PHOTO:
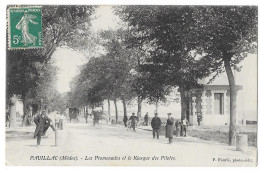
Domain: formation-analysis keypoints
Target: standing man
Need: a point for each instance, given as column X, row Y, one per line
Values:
column 169, row 127
column 133, row 119
column 199, row 119
column 146, row 117
column 156, row 125
column 42, row 124
column 125, row 119
column 95, row 117
column 184, row 126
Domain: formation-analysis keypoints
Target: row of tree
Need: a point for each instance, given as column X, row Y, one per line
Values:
column 31, row 75
column 164, row 47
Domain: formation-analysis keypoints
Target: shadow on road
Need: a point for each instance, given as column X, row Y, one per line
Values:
column 18, row 135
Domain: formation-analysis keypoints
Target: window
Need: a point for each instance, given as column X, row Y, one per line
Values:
column 219, row 103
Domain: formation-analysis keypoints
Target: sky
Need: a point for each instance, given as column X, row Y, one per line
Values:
column 68, row 60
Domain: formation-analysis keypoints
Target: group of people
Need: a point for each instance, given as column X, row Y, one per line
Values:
column 133, row 121
column 181, row 127
column 43, row 122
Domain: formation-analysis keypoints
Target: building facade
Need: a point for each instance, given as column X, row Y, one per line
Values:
column 210, row 105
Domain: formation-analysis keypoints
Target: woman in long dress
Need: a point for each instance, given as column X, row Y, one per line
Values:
column 169, row 128
column 23, row 25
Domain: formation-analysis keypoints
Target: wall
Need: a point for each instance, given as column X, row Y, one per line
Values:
column 203, row 101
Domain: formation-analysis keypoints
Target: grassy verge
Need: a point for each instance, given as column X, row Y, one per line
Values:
column 220, row 136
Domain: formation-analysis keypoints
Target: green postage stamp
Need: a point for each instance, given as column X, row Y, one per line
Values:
column 25, row 27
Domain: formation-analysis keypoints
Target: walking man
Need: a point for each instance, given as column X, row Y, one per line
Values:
column 156, row 125
column 42, row 124
column 169, row 127
column 133, row 119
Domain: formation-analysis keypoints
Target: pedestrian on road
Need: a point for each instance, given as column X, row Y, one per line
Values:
column 156, row 125
column 199, row 118
column 133, row 120
column 96, row 116
column 169, row 127
column 184, row 126
column 125, row 119
column 42, row 124
column 146, row 118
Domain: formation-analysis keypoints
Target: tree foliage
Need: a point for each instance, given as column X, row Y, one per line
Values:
column 192, row 42
column 107, row 76
column 30, row 76
column 60, row 25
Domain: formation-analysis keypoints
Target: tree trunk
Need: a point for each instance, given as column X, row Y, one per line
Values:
column 233, row 94
column 139, row 106
column 156, row 106
column 86, row 110
column 13, row 112
column 108, row 109
column 116, row 111
column 41, row 106
column 102, row 106
column 86, row 113
column 184, row 105
column 25, row 112
column 124, row 105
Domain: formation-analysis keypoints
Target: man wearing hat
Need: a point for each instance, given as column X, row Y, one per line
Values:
column 42, row 124
column 133, row 119
column 146, row 118
column 169, row 127
column 156, row 125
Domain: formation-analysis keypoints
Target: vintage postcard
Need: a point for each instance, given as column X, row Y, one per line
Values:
column 131, row 85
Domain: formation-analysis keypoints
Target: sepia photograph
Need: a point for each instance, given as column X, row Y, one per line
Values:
column 131, row 85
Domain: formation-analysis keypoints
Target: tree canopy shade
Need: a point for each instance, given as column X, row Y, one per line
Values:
column 107, row 76
column 168, row 31
column 222, row 36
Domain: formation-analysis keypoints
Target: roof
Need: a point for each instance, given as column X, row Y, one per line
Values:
column 218, row 87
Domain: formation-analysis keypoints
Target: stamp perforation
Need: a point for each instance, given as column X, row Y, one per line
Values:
column 8, row 25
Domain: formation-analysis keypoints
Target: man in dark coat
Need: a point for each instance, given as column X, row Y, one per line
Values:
column 42, row 124
column 133, row 119
column 169, row 128
column 125, row 119
column 156, row 125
